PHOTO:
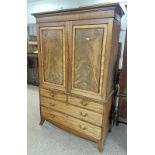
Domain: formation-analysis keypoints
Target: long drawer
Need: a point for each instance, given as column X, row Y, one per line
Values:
column 83, row 103
column 73, row 123
column 53, row 95
column 83, row 114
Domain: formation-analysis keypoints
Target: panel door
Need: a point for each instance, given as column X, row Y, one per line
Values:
column 53, row 54
column 88, row 51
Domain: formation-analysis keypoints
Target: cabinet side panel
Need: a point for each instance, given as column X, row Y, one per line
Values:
column 106, row 117
column 113, row 57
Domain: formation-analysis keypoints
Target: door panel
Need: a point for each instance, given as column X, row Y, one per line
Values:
column 53, row 54
column 88, row 52
column 88, row 59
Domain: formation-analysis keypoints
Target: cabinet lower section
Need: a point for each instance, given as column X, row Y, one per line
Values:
column 71, row 122
column 82, row 117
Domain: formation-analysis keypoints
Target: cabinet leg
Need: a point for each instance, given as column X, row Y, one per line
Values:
column 100, row 145
column 42, row 120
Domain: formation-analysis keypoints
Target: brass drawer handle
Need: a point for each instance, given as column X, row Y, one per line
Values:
column 82, row 114
column 83, row 127
column 52, row 116
column 84, row 103
column 52, row 94
column 66, row 115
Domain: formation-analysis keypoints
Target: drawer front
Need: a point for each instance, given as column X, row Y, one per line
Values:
column 94, row 106
column 83, row 114
column 54, row 95
column 73, row 123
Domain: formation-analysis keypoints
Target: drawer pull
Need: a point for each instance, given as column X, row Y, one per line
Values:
column 84, row 103
column 52, row 94
column 82, row 127
column 82, row 114
column 66, row 115
column 52, row 116
column 52, row 104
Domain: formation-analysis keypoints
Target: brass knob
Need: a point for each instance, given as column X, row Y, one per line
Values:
column 84, row 103
column 52, row 116
column 82, row 114
column 52, row 94
column 82, row 127
column 66, row 115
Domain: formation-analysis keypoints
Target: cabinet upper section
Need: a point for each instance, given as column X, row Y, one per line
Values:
column 78, row 50
column 112, row 10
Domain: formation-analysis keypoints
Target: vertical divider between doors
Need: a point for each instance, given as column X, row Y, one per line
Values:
column 67, row 55
column 69, row 29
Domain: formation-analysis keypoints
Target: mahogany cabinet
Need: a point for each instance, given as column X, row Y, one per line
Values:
column 77, row 60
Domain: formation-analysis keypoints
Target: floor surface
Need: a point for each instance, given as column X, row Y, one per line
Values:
column 50, row 140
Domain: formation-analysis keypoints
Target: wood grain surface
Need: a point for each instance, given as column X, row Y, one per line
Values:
column 73, row 123
column 86, row 104
column 52, row 56
column 81, row 13
column 80, row 113
column 113, row 57
column 88, row 58
column 88, row 51
column 52, row 46
column 53, row 95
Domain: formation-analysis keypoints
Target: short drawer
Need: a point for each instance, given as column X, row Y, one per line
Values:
column 70, row 122
column 83, row 114
column 54, row 95
column 94, row 106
